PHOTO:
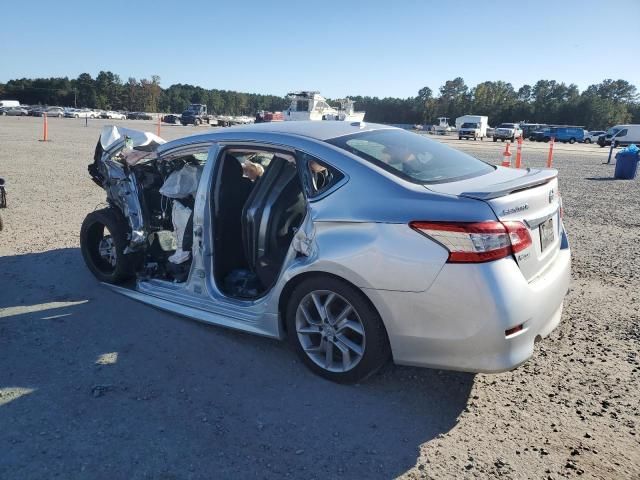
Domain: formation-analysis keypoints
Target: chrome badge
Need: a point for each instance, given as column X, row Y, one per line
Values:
column 519, row 208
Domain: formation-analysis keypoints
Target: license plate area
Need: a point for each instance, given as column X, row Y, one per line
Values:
column 546, row 234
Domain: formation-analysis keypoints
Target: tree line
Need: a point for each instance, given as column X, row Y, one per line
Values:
column 547, row 101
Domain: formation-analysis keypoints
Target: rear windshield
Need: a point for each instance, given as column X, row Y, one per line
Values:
column 412, row 156
column 506, row 125
column 469, row 125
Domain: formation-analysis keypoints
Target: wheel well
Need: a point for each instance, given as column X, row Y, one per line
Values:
column 298, row 279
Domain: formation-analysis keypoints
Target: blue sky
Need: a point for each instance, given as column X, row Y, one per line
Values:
column 377, row 48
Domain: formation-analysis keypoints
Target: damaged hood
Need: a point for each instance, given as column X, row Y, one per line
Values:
column 145, row 141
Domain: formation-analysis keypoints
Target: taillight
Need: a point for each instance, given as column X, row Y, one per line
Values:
column 477, row 241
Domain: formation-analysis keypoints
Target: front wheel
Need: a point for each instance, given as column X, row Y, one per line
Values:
column 587, row 140
column 103, row 239
column 335, row 331
column 495, row 139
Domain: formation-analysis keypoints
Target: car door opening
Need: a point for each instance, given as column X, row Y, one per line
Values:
column 258, row 205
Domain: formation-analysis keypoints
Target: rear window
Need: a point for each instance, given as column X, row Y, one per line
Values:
column 506, row 125
column 412, row 156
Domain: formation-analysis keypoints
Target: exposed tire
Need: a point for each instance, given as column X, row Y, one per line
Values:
column 587, row 140
column 76, row 116
column 572, row 140
column 103, row 239
column 495, row 139
column 328, row 312
column 459, row 138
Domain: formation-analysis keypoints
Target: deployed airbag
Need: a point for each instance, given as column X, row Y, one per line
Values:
column 182, row 183
column 180, row 216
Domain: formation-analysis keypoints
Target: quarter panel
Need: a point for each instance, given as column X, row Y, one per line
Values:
column 377, row 255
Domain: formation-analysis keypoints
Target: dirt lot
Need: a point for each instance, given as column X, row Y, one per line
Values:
column 94, row 385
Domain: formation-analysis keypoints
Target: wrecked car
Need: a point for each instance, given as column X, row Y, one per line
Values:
column 358, row 243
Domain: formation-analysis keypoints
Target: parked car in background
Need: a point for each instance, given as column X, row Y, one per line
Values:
column 171, row 118
column 16, row 112
column 111, row 115
column 350, row 288
column 592, row 136
column 490, row 132
column 139, row 116
column 51, row 112
column 34, row 110
column 621, row 135
column 507, row 131
column 80, row 113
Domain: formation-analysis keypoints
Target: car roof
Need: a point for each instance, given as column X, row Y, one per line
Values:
column 319, row 130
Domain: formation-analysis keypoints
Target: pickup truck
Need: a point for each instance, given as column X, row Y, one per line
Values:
column 507, row 131
column 196, row 115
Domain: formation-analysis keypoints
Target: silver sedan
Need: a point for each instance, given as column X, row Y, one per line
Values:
column 358, row 243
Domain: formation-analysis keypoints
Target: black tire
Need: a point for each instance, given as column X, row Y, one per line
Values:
column 376, row 347
column 459, row 138
column 572, row 140
column 587, row 140
column 98, row 226
column 495, row 139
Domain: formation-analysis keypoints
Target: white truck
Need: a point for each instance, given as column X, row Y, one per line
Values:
column 472, row 126
column 507, row 131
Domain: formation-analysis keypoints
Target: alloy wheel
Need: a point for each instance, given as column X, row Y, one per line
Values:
column 107, row 249
column 330, row 331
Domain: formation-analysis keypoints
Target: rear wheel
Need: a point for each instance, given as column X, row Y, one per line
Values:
column 103, row 239
column 572, row 140
column 495, row 139
column 335, row 330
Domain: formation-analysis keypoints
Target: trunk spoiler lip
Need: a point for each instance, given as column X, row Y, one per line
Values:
column 532, row 178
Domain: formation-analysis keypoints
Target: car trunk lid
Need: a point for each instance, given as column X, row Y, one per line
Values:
column 529, row 196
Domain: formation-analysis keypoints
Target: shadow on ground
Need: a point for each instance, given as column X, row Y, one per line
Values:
column 601, row 179
column 95, row 385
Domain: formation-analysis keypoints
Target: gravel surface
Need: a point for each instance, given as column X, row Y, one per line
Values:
column 95, row 385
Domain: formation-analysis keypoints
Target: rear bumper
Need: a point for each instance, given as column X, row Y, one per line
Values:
column 460, row 322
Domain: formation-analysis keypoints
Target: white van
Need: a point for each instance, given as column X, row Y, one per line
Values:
column 9, row 103
column 622, row 135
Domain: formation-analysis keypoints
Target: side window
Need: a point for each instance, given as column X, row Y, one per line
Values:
column 623, row 133
column 318, row 176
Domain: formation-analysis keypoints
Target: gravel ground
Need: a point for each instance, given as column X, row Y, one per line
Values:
column 94, row 385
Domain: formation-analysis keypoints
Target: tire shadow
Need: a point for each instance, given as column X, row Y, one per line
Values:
column 179, row 399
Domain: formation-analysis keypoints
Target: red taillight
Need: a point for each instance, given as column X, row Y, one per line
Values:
column 478, row 241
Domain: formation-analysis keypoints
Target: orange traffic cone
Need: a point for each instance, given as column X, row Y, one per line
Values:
column 506, row 156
